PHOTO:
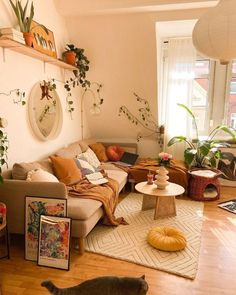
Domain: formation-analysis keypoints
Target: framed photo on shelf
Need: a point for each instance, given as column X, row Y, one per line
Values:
column 43, row 42
column 54, row 242
column 34, row 208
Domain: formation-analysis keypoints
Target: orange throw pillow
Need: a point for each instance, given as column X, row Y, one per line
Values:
column 115, row 153
column 66, row 170
column 100, row 151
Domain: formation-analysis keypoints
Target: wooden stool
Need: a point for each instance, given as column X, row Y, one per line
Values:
column 204, row 185
column 3, row 226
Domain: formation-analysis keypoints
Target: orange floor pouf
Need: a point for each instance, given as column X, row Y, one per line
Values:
column 166, row 239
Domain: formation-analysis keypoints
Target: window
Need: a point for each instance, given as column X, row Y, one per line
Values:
column 214, row 93
column 231, row 104
column 201, row 88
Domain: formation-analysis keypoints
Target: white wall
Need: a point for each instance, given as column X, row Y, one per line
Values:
column 19, row 71
column 122, row 50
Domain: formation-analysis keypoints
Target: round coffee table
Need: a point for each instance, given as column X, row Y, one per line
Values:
column 163, row 200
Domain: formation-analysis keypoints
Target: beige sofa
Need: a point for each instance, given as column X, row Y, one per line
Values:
column 85, row 213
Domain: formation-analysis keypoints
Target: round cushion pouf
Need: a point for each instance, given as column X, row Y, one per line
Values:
column 166, row 239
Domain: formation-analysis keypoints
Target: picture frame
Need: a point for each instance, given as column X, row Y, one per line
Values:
column 34, row 207
column 43, row 42
column 54, row 242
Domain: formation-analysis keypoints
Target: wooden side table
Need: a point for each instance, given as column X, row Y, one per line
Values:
column 163, row 200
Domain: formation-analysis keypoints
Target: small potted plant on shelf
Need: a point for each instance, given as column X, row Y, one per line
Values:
column 24, row 21
column 81, row 62
column 203, row 153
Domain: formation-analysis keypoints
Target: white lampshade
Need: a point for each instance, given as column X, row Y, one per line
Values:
column 214, row 34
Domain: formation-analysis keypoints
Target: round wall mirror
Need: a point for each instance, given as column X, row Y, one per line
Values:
column 45, row 111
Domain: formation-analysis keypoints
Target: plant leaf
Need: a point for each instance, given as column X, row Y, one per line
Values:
column 204, row 147
column 228, row 130
column 176, row 139
column 187, row 109
column 189, row 155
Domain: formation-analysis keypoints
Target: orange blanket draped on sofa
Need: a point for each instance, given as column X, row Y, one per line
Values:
column 177, row 171
column 106, row 193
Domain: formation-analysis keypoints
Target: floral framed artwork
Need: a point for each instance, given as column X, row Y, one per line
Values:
column 34, row 208
column 43, row 42
column 54, row 242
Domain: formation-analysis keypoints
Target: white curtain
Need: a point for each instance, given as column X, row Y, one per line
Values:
column 178, row 87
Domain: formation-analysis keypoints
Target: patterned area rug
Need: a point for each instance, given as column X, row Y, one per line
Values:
column 128, row 242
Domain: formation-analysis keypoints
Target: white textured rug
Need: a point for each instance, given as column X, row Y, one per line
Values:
column 128, row 242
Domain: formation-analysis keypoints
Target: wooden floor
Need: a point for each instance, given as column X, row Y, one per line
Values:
column 216, row 272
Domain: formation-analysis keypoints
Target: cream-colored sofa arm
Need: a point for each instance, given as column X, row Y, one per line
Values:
column 13, row 192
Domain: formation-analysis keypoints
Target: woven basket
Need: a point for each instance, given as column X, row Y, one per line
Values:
column 200, row 186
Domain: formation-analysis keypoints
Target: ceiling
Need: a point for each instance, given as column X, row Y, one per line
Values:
column 86, row 7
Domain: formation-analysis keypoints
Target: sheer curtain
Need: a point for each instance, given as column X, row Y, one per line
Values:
column 178, row 85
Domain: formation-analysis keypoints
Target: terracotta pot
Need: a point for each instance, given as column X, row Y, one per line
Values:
column 70, row 57
column 29, row 37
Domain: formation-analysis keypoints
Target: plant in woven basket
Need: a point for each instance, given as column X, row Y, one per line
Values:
column 203, row 153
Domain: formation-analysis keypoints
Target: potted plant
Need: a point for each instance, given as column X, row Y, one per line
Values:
column 81, row 62
column 203, row 153
column 3, row 147
column 24, row 21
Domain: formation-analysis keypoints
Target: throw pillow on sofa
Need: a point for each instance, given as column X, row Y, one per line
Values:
column 114, row 153
column 84, row 166
column 41, row 175
column 66, row 170
column 91, row 158
column 100, row 151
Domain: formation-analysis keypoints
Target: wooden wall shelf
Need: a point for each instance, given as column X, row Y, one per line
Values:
column 26, row 50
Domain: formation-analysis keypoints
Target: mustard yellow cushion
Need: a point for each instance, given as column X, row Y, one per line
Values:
column 100, row 151
column 166, row 239
column 66, row 170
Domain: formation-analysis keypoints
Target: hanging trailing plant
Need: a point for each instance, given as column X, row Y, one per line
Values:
column 19, row 96
column 3, row 151
column 145, row 119
column 82, row 64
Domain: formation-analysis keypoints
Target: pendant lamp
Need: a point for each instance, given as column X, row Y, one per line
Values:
column 214, row 35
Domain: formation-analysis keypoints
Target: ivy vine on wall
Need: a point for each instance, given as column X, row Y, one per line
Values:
column 144, row 118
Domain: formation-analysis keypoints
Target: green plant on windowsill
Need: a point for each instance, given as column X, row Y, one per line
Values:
column 203, row 153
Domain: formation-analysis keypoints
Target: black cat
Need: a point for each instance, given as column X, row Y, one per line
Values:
column 108, row 285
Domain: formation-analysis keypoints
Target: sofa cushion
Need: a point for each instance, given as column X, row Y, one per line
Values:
column 20, row 170
column 71, row 151
column 114, row 152
column 84, row 144
column 119, row 175
column 66, row 170
column 82, row 209
column 91, row 158
column 84, row 166
column 41, row 175
column 100, row 151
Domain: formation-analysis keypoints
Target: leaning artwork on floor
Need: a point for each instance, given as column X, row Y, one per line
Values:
column 34, row 207
column 54, row 242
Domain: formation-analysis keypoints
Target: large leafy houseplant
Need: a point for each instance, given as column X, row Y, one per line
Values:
column 206, row 152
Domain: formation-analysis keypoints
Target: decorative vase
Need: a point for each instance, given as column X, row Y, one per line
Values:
column 29, row 37
column 162, row 177
column 70, row 57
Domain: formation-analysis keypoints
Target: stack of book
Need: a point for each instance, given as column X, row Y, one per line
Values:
column 12, row 34
column 96, row 178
